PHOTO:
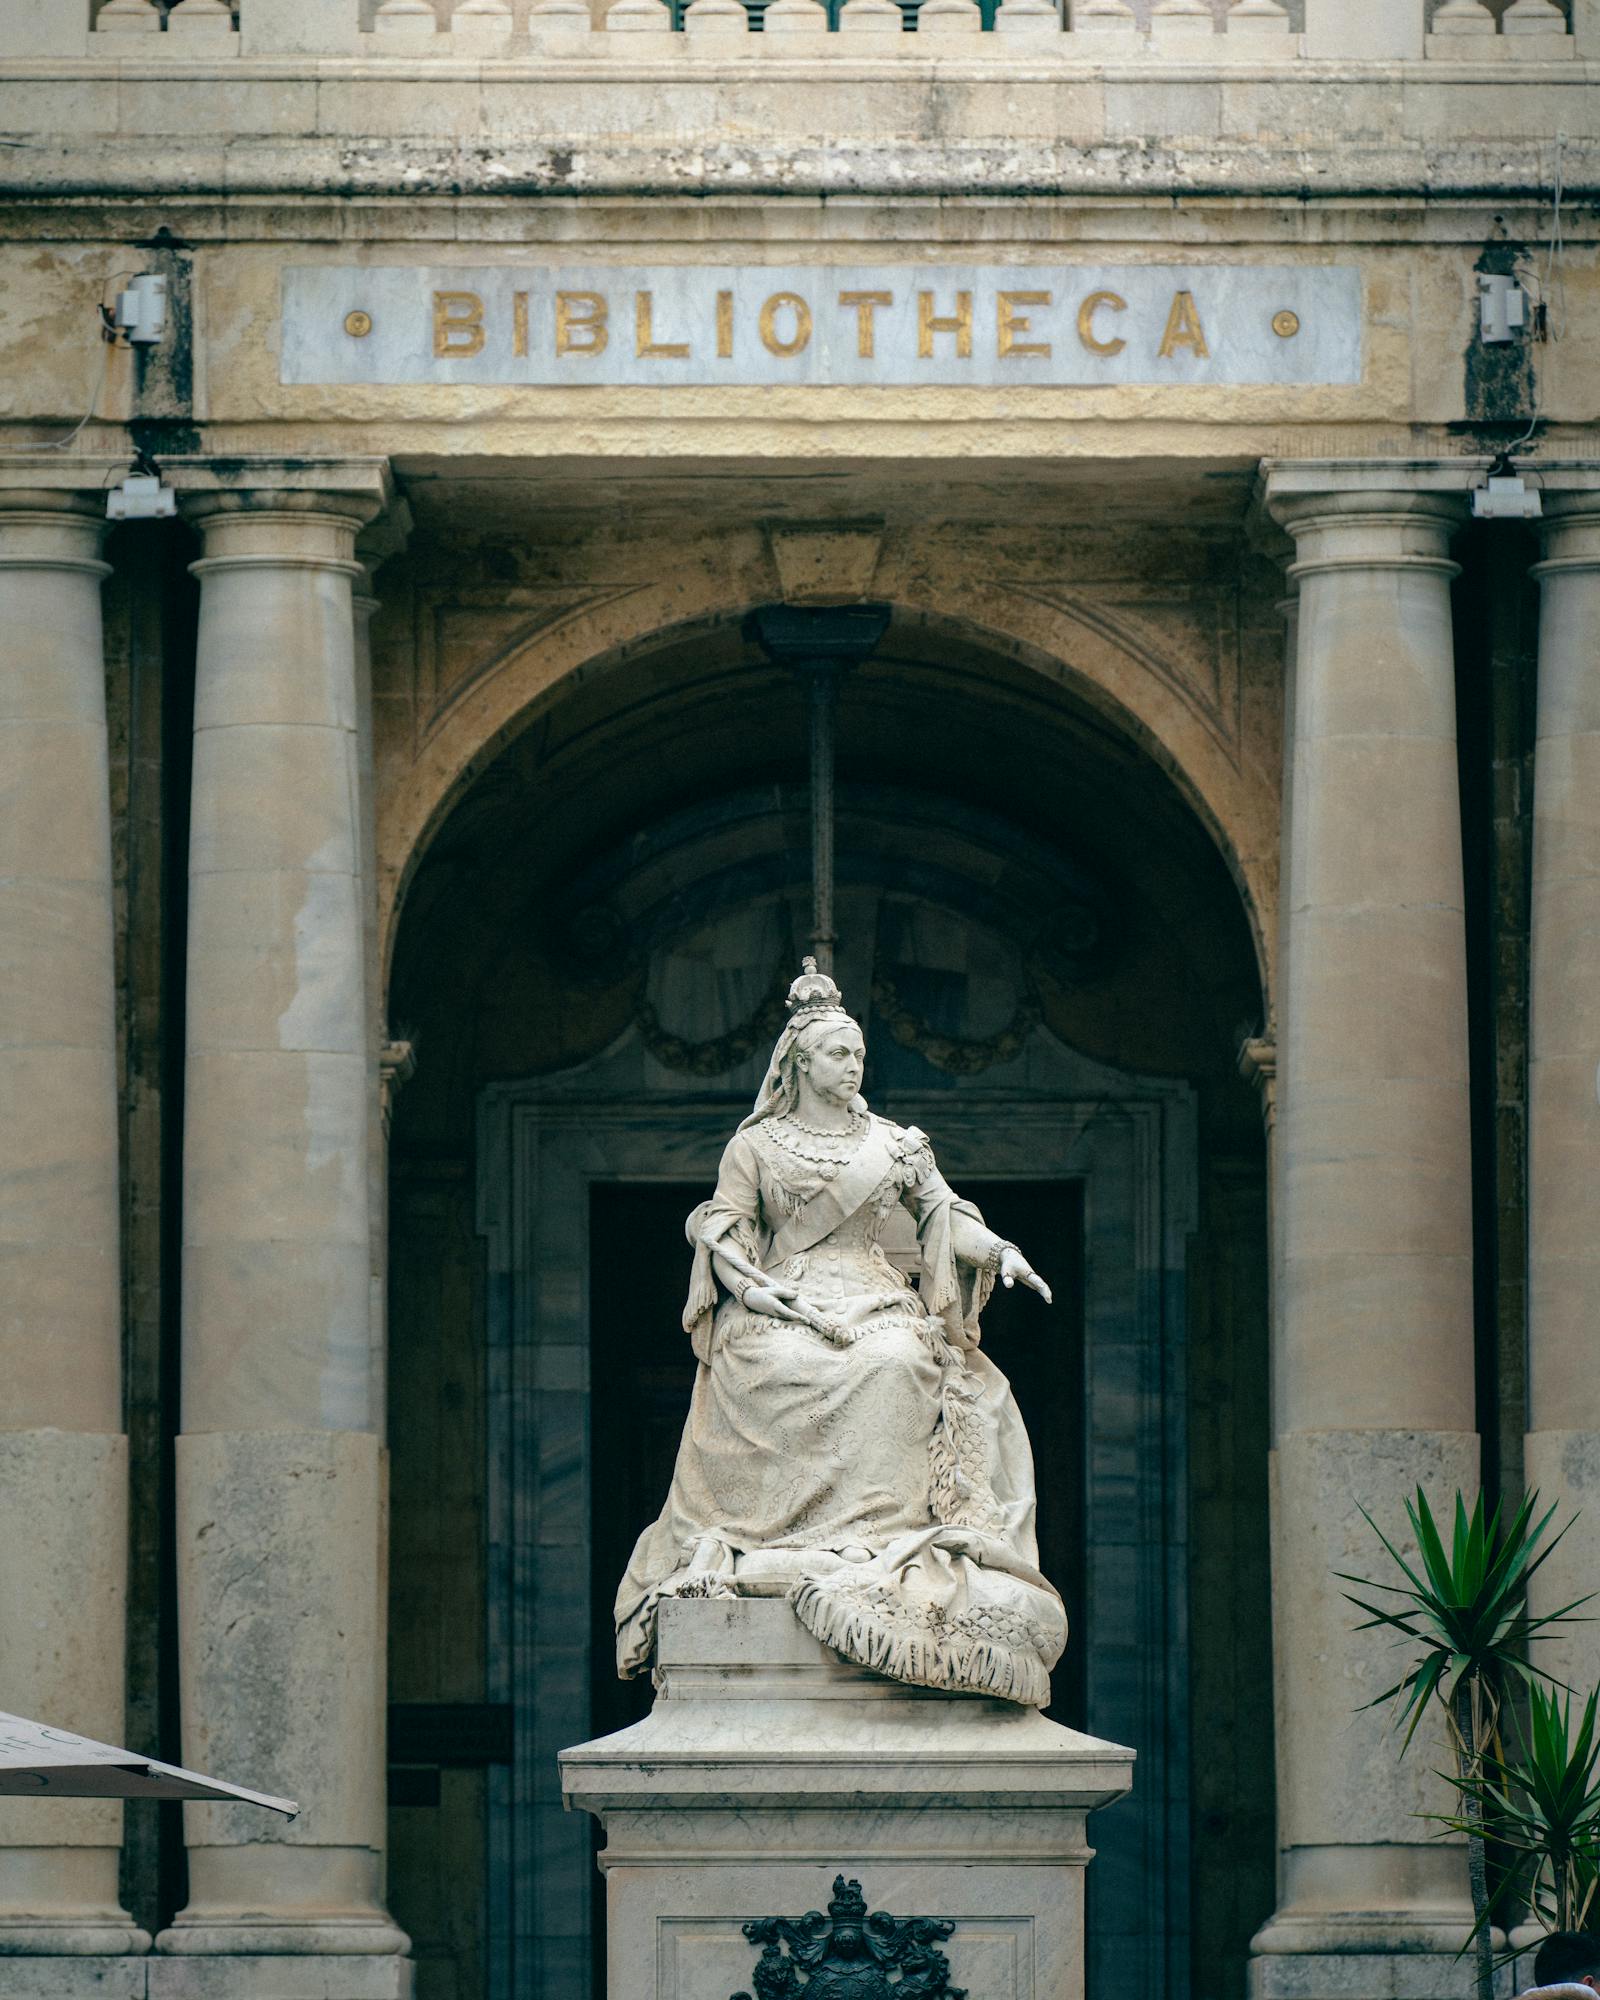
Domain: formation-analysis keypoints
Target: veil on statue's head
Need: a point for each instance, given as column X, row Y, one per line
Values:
column 814, row 1002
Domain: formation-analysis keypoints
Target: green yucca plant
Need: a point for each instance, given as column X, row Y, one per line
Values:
column 1543, row 1804
column 1465, row 1612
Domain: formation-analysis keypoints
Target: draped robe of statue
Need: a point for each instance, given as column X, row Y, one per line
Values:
column 889, row 1448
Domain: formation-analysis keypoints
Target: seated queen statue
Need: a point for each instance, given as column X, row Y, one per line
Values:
column 842, row 1413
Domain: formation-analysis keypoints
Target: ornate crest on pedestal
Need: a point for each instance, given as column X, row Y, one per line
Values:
column 848, row 1955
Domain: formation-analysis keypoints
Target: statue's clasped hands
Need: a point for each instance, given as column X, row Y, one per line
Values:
column 783, row 1301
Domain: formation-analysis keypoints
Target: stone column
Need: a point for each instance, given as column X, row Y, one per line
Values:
column 63, row 1455
column 1562, row 1449
column 1373, row 1368
column 281, row 1477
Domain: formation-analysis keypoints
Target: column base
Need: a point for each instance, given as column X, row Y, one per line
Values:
column 1563, row 1468
column 328, row 1937
column 77, row 1937
column 78, row 1978
column 267, row 1976
column 281, row 1976
column 1397, row 1973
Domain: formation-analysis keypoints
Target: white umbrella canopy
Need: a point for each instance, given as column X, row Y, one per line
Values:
column 37, row 1761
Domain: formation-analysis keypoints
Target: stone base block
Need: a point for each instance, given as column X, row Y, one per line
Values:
column 322, row 1976
column 73, row 1978
column 1359, row 1975
column 772, row 1776
column 308, row 1976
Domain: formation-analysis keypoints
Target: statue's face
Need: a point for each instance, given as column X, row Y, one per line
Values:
column 834, row 1062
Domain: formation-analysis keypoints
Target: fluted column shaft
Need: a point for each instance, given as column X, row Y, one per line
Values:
column 63, row 1455
column 1373, row 1369
column 1562, row 1448
column 280, row 1506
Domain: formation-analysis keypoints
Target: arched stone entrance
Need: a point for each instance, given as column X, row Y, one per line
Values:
column 1054, row 970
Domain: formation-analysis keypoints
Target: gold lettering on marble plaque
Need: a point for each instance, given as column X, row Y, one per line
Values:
column 519, row 325
column 644, row 340
column 959, row 323
column 1009, row 323
column 457, row 324
column 1111, row 302
column 1183, row 329
column 768, row 323
column 866, row 305
column 581, row 323
column 724, row 326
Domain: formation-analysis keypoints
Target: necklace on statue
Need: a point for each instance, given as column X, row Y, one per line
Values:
column 816, row 1144
column 856, row 1126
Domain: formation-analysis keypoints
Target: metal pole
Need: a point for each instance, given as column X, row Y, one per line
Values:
column 823, row 681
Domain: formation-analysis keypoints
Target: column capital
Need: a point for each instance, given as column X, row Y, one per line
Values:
column 72, row 481
column 1569, row 527
column 1369, row 514
column 46, row 527
column 1305, row 495
column 353, row 489
column 1285, row 478
column 281, row 513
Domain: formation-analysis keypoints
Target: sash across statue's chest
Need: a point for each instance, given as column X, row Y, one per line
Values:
column 836, row 1200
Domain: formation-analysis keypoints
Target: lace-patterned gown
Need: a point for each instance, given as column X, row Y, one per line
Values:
column 897, row 1445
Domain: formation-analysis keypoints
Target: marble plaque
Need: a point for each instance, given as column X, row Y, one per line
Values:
column 991, row 326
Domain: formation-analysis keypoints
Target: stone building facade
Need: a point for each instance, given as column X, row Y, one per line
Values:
column 404, row 839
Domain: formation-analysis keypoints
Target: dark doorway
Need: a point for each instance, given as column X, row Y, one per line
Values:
column 638, row 1272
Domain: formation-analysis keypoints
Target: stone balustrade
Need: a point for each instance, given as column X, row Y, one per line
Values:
column 1204, row 32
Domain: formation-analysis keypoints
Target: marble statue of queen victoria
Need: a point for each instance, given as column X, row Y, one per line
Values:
column 839, row 1412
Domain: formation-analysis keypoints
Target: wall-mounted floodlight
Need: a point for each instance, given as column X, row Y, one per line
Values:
column 1502, row 307
column 1506, row 500
column 142, row 309
column 141, row 497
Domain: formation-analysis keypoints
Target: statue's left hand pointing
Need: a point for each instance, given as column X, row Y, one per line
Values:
column 1013, row 1265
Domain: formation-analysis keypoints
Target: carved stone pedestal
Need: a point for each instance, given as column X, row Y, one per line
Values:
column 772, row 1776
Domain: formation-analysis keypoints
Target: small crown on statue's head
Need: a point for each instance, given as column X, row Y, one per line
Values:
column 813, row 992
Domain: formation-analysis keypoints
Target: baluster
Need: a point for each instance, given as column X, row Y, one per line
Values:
column 872, row 17
column 1257, row 17
column 1103, row 17
column 406, row 17
column 1533, row 17
column 207, row 17
column 949, row 17
column 128, row 17
column 1463, row 17
column 559, row 21
column 1536, row 31
column 638, row 17
column 795, row 17
column 481, row 24
column 1027, row 17
column 718, row 20
column 1183, row 24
